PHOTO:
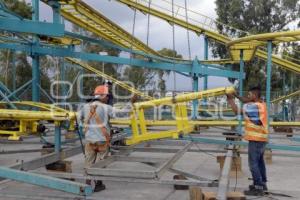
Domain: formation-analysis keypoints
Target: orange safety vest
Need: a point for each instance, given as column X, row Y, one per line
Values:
column 97, row 146
column 255, row 132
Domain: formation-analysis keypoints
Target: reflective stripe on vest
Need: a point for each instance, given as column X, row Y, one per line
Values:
column 255, row 132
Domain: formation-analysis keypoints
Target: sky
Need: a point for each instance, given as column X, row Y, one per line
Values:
column 160, row 32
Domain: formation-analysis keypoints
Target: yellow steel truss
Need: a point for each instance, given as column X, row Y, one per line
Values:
column 139, row 123
column 250, row 43
column 198, row 122
column 27, row 121
column 141, row 5
column 293, row 94
column 83, row 15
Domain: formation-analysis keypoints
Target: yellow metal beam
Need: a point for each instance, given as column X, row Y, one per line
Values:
column 212, row 34
column 185, row 97
column 83, row 15
column 8, row 114
column 197, row 29
column 201, row 123
column 286, row 96
column 260, row 39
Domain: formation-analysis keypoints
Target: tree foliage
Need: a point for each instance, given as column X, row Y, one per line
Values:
column 254, row 16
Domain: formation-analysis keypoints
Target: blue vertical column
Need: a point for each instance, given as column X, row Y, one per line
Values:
column 81, row 72
column 195, row 89
column 284, row 111
column 35, row 57
column 205, row 82
column 241, row 88
column 63, row 78
column 57, row 137
column 269, row 74
column 195, row 102
column 57, row 130
column 14, row 71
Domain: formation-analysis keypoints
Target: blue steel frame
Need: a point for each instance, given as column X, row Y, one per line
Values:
column 199, row 69
column 241, row 91
column 195, row 69
column 46, row 181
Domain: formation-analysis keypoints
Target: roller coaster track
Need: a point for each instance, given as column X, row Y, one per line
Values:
column 86, row 17
column 293, row 94
column 141, row 5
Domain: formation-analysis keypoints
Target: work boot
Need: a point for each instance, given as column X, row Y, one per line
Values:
column 99, row 186
column 265, row 188
column 255, row 191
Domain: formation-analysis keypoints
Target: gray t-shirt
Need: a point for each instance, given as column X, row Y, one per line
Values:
column 105, row 112
column 93, row 131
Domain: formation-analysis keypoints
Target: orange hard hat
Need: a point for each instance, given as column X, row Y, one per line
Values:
column 101, row 90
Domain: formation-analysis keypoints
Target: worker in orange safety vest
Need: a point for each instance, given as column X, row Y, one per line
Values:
column 256, row 132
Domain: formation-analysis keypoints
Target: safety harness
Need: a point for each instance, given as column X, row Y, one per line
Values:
column 98, row 147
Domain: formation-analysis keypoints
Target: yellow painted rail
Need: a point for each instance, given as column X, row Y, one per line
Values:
column 202, row 30
column 293, row 94
column 199, row 122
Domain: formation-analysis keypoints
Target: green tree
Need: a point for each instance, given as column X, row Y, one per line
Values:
column 254, row 16
column 22, row 63
column 108, row 68
column 143, row 78
column 161, row 81
column 21, row 8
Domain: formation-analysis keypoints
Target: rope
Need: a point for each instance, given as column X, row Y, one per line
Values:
column 148, row 23
column 173, row 32
column 133, row 32
column 187, row 29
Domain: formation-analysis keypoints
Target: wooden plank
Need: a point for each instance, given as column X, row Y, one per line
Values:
column 195, row 193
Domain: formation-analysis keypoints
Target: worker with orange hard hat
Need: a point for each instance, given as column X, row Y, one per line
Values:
column 94, row 117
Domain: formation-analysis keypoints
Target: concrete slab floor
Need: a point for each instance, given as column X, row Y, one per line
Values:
column 282, row 173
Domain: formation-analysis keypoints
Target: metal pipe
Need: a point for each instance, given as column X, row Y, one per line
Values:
column 240, row 115
column 185, row 97
column 269, row 76
column 57, row 137
column 205, row 83
column 35, row 57
column 32, row 115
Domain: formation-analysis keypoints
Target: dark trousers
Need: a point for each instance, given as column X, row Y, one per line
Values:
column 256, row 162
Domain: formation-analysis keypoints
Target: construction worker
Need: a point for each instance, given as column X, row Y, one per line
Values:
column 109, row 84
column 256, row 132
column 94, row 117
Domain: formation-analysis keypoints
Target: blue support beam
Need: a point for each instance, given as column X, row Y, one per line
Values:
column 269, row 76
column 35, row 56
column 7, row 100
column 195, row 88
column 46, row 181
column 240, row 143
column 57, row 137
column 65, row 52
column 33, row 27
column 14, row 71
column 205, row 81
column 241, row 90
column 19, row 89
column 195, row 102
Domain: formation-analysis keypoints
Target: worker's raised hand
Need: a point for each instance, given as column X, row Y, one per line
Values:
column 230, row 96
column 134, row 98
